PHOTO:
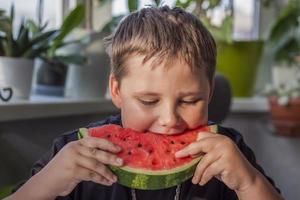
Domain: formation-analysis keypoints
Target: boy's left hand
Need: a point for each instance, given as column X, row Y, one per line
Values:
column 221, row 159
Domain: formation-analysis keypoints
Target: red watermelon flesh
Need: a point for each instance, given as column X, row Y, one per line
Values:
column 148, row 150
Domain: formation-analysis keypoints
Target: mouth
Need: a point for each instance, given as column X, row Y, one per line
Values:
column 171, row 131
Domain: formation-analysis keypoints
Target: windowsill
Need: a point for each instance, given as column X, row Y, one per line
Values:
column 250, row 105
column 42, row 107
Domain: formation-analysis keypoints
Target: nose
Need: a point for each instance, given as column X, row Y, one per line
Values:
column 169, row 117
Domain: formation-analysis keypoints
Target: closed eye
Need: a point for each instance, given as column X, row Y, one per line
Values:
column 148, row 102
column 190, row 102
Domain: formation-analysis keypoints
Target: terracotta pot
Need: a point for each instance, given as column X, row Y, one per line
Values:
column 286, row 119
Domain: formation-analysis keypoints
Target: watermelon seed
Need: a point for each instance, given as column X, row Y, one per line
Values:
column 150, row 151
column 154, row 162
column 108, row 136
column 172, row 142
column 183, row 143
column 139, row 145
column 168, row 151
column 129, row 153
column 124, row 139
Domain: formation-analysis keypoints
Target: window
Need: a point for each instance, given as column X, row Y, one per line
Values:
column 246, row 19
column 246, row 16
column 28, row 10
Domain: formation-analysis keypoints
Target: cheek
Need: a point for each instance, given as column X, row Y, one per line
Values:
column 135, row 117
column 195, row 117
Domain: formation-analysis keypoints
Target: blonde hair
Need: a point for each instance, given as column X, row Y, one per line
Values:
column 164, row 34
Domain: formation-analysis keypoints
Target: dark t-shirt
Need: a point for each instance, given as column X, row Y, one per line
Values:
column 86, row 190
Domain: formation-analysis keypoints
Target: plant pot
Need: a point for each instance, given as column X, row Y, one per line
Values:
column 16, row 73
column 238, row 62
column 90, row 80
column 284, row 74
column 50, row 78
column 286, row 119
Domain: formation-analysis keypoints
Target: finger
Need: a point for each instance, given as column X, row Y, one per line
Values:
column 101, row 156
column 202, row 146
column 197, row 155
column 206, row 161
column 215, row 169
column 85, row 174
column 205, row 134
column 100, row 143
column 94, row 166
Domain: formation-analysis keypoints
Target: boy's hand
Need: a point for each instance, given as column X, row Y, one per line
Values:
column 221, row 159
column 82, row 160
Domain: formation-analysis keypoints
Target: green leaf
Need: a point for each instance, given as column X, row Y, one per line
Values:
column 2, row 12
column 46, row 36
column 157, row 2
column 35, row 52
column 12, row 12
column 184, row 4
column 110, row 26
column 69, row 42
column 284, row 35
column 10, row 47
column 214, row 3
column 102, row 2
column 132, row 5
column 23, row 39
column 5, row 25
column 74, row 18
column 72, row 59
column 31, row 25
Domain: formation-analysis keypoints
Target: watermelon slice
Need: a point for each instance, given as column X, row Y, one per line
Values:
column 149, row 158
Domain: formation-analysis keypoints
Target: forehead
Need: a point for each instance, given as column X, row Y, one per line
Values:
column 173, row 74
column 135, row 62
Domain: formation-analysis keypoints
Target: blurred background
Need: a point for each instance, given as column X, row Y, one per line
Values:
column 54, row 72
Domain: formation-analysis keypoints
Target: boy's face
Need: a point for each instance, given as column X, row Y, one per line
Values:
column 166, row 100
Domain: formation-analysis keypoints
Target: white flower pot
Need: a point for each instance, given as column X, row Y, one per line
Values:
column 90, row 80
column 285, row 75
column 16, row 73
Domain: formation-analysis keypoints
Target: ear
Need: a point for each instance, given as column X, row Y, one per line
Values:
column 114, row 89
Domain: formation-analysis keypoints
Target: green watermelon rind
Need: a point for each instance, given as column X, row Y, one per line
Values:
column 153, row 179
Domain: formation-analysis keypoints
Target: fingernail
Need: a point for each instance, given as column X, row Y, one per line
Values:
column 110, row 182
column 118, row 148
column 194, row 180
column 119, row 161
column 115, row 179
column 179, row 154
column 112, row 179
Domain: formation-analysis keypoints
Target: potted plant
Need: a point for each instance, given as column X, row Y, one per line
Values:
column 17, row 51
column 284, row 92
column 92, row 80
column 236, row 60
column 52, row 64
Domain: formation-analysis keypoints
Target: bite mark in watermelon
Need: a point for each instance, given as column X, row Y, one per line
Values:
column 149, row 158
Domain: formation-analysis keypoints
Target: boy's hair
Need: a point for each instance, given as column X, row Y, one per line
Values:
column 163, row 34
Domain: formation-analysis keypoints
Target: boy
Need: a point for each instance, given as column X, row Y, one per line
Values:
column 163, row 63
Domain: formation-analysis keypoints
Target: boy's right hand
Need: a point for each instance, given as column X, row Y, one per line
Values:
column 81, row 160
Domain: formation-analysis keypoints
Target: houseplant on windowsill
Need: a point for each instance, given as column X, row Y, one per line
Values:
column 17, row 51
column 51, row 67
column 237, row 60
column 284, row 92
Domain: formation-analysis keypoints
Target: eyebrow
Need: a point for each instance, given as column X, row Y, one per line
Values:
column 158, row 94
column 146, row 94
